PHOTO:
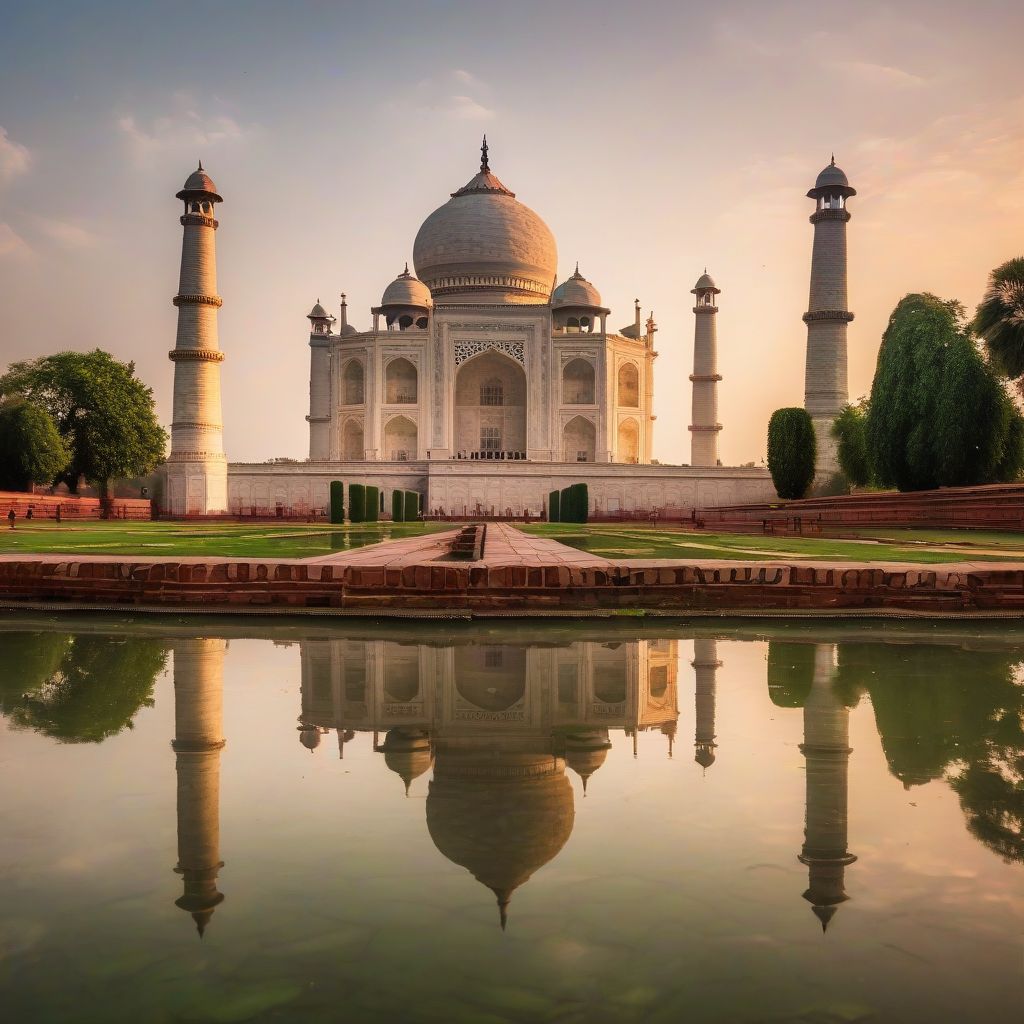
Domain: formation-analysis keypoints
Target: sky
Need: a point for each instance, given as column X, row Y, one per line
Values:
column 653, row 138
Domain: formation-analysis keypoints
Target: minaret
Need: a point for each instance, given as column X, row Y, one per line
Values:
column 319, row 418
column 825, row 385
column 198, row 740
column 826, row 750
column 197, row 472
column 705, row 665
column 704, row 425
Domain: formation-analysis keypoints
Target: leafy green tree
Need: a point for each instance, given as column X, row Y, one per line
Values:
column 99, row 687
column 31, row 449
column 103, row 412
column 29, row 660
column 850, row 432
column 999, row 319
column 939, row 415
column 792, row 451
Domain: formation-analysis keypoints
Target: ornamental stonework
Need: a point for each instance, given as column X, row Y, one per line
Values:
column 463, row 350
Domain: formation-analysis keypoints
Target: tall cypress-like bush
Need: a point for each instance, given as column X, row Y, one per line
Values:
column 581, row 503
column 411, row 502
column 398, row 506
column 372, row 510
column 565, row 505
column 792, row 451
column 555, row 507
column 337, row 501
column 357, row 503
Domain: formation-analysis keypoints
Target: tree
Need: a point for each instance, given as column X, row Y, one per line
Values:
column 939, row 416
column 849, row 429
column 411, row 506
column 103, row 412
column 554, row 506
column 31, row 449
column 100, row 685
column 999, row 319
column 792, row 451
column 397, row 506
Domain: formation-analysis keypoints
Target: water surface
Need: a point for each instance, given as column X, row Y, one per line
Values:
column 223, row 820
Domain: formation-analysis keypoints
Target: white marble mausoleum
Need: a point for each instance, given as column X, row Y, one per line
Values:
column 478, row 380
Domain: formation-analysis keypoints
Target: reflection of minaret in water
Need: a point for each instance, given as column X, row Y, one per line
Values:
column 826, row 749
column 198, row 739
column 705, row 665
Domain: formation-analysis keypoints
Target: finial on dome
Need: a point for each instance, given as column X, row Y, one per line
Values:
column 200, row 165
column 484, row 166
column 833, row 163
column 406, row 271
column 577, row 268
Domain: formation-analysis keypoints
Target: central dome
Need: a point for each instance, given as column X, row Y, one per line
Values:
column 484, row 246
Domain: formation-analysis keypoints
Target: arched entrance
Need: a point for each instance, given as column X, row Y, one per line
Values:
column 629, row 441
column 490, row 408
column 400, row 437
column 579, row 440
column 352, row 441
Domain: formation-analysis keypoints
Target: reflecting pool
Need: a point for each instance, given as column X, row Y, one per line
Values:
column 224, row 819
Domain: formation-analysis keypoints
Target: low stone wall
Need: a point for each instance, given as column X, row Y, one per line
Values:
column 677, row 587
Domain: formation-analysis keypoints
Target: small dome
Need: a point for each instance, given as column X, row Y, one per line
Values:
column 309, row 737
column 199, row 183
column 407, row 290
column 349, row 329
column 318, row 313
column 705, row 281
column 576, row 291
column 832, row 178
column 407, row 753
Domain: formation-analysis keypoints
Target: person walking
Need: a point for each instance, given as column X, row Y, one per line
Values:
column 11, row 517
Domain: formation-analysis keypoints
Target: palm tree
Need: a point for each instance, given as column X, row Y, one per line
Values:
column 999, row 319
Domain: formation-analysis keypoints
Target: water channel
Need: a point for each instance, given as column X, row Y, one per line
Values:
column 228, row 819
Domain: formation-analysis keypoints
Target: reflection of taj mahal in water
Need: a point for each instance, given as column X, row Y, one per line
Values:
column 498, row 725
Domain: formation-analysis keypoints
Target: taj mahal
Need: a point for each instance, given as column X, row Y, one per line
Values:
column 481, row 382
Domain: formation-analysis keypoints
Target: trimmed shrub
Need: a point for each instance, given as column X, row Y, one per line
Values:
column 411, row 503
column 554, row 507
column 850, row 430
column 580, row 502
column 398, row 506
column 337, row 501
column 372, row 510
column 792, row 451
column 357, row 503
column 565, row 505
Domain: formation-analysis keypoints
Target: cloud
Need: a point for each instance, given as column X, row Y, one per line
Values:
column 67, row 234
column 12, row 245
column 878, row 75
column 456, row 94
column 182, row 129
column 14, row 158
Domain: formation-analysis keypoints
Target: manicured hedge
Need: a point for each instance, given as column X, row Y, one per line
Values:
column 357, row 503
column 411, row 506
column 554, row 507
column 337, row 501
column 792, row 451
column 398, row 506
column 372, row 504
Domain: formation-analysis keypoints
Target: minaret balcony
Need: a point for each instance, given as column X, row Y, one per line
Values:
column 827, row 314
column 197, row 300
column 818, row 215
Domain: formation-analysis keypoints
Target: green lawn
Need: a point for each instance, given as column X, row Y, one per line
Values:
column 261, row 540
column 614, row 540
